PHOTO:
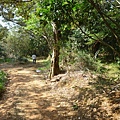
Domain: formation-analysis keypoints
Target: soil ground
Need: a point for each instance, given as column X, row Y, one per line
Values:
column 71, row 96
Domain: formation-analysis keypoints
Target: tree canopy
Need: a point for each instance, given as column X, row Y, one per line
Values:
column 92, row 25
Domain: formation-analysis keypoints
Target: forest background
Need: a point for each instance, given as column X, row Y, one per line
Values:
column 82, row 33
column 75, row 35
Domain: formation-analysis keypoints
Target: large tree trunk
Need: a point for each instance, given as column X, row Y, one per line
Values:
column 55, row 70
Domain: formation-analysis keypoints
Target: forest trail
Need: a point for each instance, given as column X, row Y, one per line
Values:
column 30, row 96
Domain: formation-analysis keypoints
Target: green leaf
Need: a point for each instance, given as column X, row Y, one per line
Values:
column 64, row 3
column 77, row 6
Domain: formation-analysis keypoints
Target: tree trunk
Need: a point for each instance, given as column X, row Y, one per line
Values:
column 55, row 70
column 55, row 62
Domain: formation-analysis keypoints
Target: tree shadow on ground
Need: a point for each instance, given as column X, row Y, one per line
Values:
column 108, row 88
column 97, row 101
column 102, row 100
column 45, row 110
column 26, row 100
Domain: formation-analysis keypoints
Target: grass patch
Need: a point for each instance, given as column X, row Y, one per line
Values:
column 44, row 65
column 8, row 60
column 113, row 71
column 3, row 80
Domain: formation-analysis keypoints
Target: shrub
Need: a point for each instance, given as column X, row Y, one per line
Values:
column 2, row 81
column 22, row 59
column 84, row 60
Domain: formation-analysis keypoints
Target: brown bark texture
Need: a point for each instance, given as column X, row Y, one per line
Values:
column 55, row 70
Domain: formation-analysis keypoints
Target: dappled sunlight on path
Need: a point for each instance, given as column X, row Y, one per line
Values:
column 30, row 97
column 22, row 94
column 73, row 96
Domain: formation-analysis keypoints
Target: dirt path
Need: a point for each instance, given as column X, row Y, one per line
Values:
column 30, row 97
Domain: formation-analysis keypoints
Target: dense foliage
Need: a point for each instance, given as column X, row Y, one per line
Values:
column 2, row 81
column 3, row 34
column 79, row 35
column 79, row 25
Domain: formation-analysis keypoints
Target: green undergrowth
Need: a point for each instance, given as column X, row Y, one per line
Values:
column 44, row 65
column 13, row 60
column 113, row 71
column 8, row 60
column 3, row 80
column 84, row 61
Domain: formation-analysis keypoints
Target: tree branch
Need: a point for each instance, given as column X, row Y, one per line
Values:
column 13, row 1
column 107, row 24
